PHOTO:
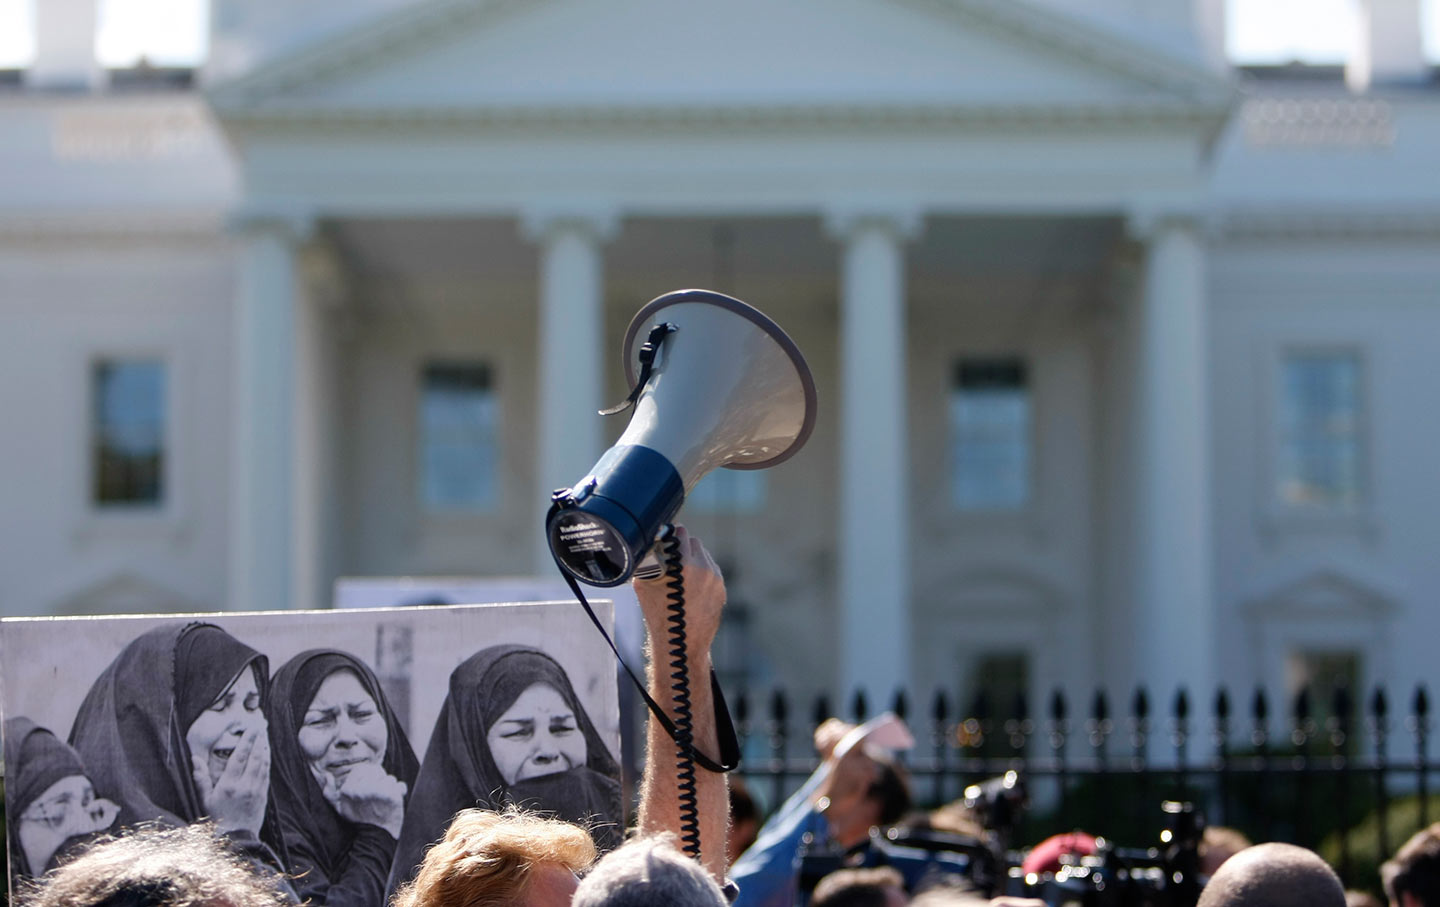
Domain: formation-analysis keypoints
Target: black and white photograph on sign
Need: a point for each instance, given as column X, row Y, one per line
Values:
column 330, row 746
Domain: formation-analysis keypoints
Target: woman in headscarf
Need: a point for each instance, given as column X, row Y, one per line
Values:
column 343, row 767
column 511, row 732
column 174, row 731
column 52, row 802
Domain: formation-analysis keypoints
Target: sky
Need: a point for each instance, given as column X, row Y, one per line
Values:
column 173, row 32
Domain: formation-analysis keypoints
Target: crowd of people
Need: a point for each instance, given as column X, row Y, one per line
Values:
column 203, row 837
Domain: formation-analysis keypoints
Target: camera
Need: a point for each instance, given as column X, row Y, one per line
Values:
column 1164, row 876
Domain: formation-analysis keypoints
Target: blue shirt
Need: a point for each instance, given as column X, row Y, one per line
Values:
column 768, row 872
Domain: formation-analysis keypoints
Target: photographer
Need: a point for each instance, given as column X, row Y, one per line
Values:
column 856, row 788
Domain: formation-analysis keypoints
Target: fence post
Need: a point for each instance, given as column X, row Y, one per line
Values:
column 1260, row 738
column 779, row 712
column 1099, row 727
column 1140, row 739
column 1339, row 726
column 1222, row 751
column 939, row 737
column 1058, row 731
column 1422, row 756
column 1181, row 738
column 1300, row 736
column 1379, row 709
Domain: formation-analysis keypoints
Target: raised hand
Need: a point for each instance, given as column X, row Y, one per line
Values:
column 236, row 800
column 369, row 794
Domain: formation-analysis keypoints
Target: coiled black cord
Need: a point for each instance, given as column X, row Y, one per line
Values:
column 687, row 795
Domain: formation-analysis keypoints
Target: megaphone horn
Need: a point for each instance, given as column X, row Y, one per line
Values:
column 717, row 383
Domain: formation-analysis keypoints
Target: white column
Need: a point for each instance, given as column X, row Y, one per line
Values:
column 1173, row 563
column 261, row 559
column 65, row 46
column 570, row 378
column 874, row 514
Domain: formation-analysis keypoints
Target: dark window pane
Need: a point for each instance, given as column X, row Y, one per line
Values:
column 128, row 432
column 1319, row 456
column 458, row 417
column 990, row 432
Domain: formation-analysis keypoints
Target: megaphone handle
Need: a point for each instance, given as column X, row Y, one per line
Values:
column 729, row 758
column 687, row 791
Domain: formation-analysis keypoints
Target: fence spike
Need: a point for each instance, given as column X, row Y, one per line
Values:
column 1057, row 705
column 1379, row 705
column 1222, row 705
column 1422, row 702
column 859, row 708
column 1260, row 706
column 779, row 707
column 821, row 711
column 1100, row 707
column 1140, row 705
column 1182, row 704
column 901, row 705
column 1302, row 705
column 940, row 711
column 742, row 709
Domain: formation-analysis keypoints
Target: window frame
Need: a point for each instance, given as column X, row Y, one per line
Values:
column 91, row 519
column 1278, row 514
column 456, row 513
column 1028, row 370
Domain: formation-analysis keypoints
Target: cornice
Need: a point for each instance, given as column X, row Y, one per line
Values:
column 1239, row 225
column 111, row 227
column 820, row 118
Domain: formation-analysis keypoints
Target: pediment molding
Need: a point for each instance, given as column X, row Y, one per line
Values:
column 1014, row 592
column 1324, row 592
column 1189, row 93
column 594, row 120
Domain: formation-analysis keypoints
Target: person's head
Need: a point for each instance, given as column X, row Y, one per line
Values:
column 52, row 797
column 648, row 872
column 744, row 819
column 537, row 735
column 1219, row 843
column 875, row 886
column 489, row 859
column 341, row 727
column 219, row 695
column 1274, row 875
column 1412, row 877
column 190, row 866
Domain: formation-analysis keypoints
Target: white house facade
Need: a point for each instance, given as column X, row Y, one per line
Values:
column 1125, row 359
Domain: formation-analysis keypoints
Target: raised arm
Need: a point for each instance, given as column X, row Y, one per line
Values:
column 659, row 787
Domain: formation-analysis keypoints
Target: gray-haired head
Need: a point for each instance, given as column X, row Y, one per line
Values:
column 648, row 872
column 152, row 866
column 1274, row 875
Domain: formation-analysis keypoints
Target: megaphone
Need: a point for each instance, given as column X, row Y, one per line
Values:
column 716, row 384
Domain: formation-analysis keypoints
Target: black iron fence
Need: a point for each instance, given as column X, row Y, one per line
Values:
column 1351, row 780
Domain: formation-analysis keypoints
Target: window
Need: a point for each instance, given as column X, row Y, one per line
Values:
column 1322, row 674
column 990, row 432
column 459, row 458
column 1319, row 453
column 128, row 433
column 996, row 714
column 728, row 491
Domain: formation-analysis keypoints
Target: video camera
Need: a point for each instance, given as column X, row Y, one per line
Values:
column 1111, row 876
column 1165, row 876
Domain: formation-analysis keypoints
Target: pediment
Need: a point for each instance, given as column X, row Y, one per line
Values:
column 567, row 57
column 1324, row 593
